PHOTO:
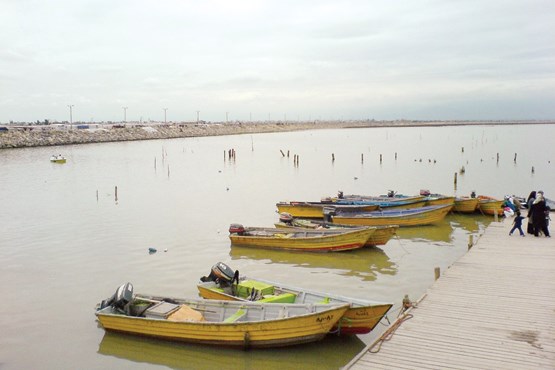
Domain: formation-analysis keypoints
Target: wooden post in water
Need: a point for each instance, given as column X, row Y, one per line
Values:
column 97, row 195
column 437, row 273
column 116, row 193
column 395, row 155
column 288, row 154
column 168, row 171
column 282, row 153
column 332, row 157
column 462, row 149
column 455, row 179
column 154, row 164
column 533, row 169
column 380, row 158
column 515, row 157
column 362, row 158
column 497, row 157
column 470, row 241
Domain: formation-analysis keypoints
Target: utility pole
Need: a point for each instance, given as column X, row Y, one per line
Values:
column 124, row 114
column 71, row 115
column 165, row 112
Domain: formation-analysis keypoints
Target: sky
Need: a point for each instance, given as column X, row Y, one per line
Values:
column 235, row 60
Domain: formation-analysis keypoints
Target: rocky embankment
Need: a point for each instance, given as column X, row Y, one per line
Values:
column 46, row 136
column 31, row 136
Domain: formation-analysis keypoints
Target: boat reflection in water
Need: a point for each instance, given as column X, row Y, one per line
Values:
column 333, row 352
column 444, row 231
column 363, row 263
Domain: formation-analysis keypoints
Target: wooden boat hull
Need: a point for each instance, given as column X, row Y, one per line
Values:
column 439, row 200
column 403, row 218
column 466, row 205
column 490, row 206
column 389, row 203
column 274, row 332
column 380, row 237
column 316, row 209
column 58, row 160
column 302, row 240
column 360, row 318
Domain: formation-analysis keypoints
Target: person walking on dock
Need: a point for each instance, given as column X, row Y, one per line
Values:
column 529, row 204
column 517, row 224
column 538, row 215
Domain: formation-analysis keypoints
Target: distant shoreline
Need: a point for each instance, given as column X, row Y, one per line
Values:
column 25, row 136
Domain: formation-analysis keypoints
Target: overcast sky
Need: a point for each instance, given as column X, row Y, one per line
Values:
column 359, row 59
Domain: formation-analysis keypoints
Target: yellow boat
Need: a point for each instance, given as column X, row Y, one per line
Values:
column 389, row 202
column 238, row 324
column 380, row 237
column 299, row 239
column 402, row 217
column 489, row 206
column 222, row 284
column 466, row 204
column 316, row 209
column 435, row 200
column 58, row 159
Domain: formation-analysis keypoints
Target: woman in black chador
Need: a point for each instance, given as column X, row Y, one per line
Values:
column 538, row 215
column 529, row 203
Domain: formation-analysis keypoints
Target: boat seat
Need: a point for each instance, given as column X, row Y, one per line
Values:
column 236, row 316
column 280, row 298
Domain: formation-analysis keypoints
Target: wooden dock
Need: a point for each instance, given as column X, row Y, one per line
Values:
column 492, row 309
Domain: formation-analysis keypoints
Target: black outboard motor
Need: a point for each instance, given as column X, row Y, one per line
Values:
column 221, row 274
column 122, row 296
column 340, row 194
column 329, row 212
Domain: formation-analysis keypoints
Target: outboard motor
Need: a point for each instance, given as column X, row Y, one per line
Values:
column 340, row 194
column 473, row 194
column 122, row 296
column 236, row 229
column 329, row 212
column 286, row 218
column 391, row 193
column 221, row 274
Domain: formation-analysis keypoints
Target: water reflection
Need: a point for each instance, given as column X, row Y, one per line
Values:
column 332, row 352
column 444, row 231
column 365, row 263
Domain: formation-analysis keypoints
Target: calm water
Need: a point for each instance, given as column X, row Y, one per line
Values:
column 67, row 242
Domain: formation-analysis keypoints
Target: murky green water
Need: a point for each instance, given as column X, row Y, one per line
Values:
column 67, row 243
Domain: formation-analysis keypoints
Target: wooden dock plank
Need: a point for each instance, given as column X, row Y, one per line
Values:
column 493, row 308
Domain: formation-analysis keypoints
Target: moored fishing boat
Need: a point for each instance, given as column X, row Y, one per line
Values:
column 437, row 199
column 490, row 206
column 402, row 217
column 224, row 284
column 298, row 239
column 382, row 201
column 226, row 323
column 466, row 204
column 316, row 209
column 380, row 237
column 58, row 159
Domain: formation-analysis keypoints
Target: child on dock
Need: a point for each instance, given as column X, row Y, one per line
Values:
column 517, row 224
